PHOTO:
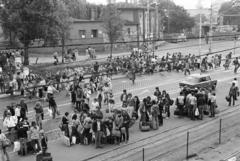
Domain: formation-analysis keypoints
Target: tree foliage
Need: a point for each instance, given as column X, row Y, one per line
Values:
column 174, row 18
column 79, row 9
column 34, row 19
column 227, row 9
column 112, row 23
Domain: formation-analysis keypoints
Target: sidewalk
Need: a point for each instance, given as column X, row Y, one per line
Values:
column 81, row 152
column 229, row 151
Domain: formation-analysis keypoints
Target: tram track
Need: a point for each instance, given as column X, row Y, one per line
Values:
column 135, row 147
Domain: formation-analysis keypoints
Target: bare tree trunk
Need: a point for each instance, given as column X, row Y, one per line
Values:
column 111, row 50
column 63, row 49
column 26, row 57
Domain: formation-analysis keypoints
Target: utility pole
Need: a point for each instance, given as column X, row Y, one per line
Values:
column 200, row 33
column 200, row 27
column 148, row 19
column 138, row 45
column 210, row 31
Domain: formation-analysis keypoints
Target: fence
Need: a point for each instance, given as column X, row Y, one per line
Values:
column 188, row 143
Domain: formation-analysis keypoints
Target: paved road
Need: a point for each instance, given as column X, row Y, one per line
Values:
column 144, row 87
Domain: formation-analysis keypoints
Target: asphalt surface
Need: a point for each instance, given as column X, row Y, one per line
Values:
column 144, row 86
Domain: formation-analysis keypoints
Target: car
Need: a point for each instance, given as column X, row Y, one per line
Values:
column 199, row 81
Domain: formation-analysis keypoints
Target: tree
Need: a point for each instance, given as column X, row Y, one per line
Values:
column 112, row 24
column 174, row 18
column 227, row 8
column 34, row 19
column 76, row 8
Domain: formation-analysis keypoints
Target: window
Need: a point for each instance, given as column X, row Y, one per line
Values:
column 94, row 33
column 82, row 34
column 129, row 31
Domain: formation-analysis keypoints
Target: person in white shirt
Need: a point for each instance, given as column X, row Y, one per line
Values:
column 17, row 112
column 235, row 81
column 192, row 107
column 10, row 122
column 95, row 104
column 213, row 104
column 51, row 90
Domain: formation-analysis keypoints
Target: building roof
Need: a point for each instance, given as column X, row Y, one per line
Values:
column 74, row 20
column 135, row 8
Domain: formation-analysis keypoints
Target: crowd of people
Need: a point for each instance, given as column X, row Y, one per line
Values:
column 102, row 121
column 26, row 138
column 139, row 62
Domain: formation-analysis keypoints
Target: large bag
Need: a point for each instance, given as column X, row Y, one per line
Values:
column 6, row 143
column 176, row 112
column 144, row 126
column 50, row 112
column 17, row 146
column 197, row 112
column 227, row 98
column 116, row 133
column 74, row 140
column 66, row 140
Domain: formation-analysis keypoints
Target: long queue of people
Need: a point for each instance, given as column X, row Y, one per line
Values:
column 32, row 84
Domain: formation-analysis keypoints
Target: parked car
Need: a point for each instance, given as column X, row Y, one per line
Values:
column 199, row 81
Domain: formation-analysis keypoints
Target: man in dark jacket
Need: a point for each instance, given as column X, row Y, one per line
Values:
column 98, row 129
column 126, row 123
column 201, row 102
column 124, row 98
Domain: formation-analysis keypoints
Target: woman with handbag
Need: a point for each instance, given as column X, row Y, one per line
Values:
column 3, row 151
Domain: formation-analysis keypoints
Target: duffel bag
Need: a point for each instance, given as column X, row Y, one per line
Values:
column 144, row 126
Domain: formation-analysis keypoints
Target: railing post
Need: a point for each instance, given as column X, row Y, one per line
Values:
column 220, row 130
column 187, row 145
column 143, row 154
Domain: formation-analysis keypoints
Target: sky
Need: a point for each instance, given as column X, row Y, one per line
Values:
column 187, row 4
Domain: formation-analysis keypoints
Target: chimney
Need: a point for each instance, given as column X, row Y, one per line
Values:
column 93, row 14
